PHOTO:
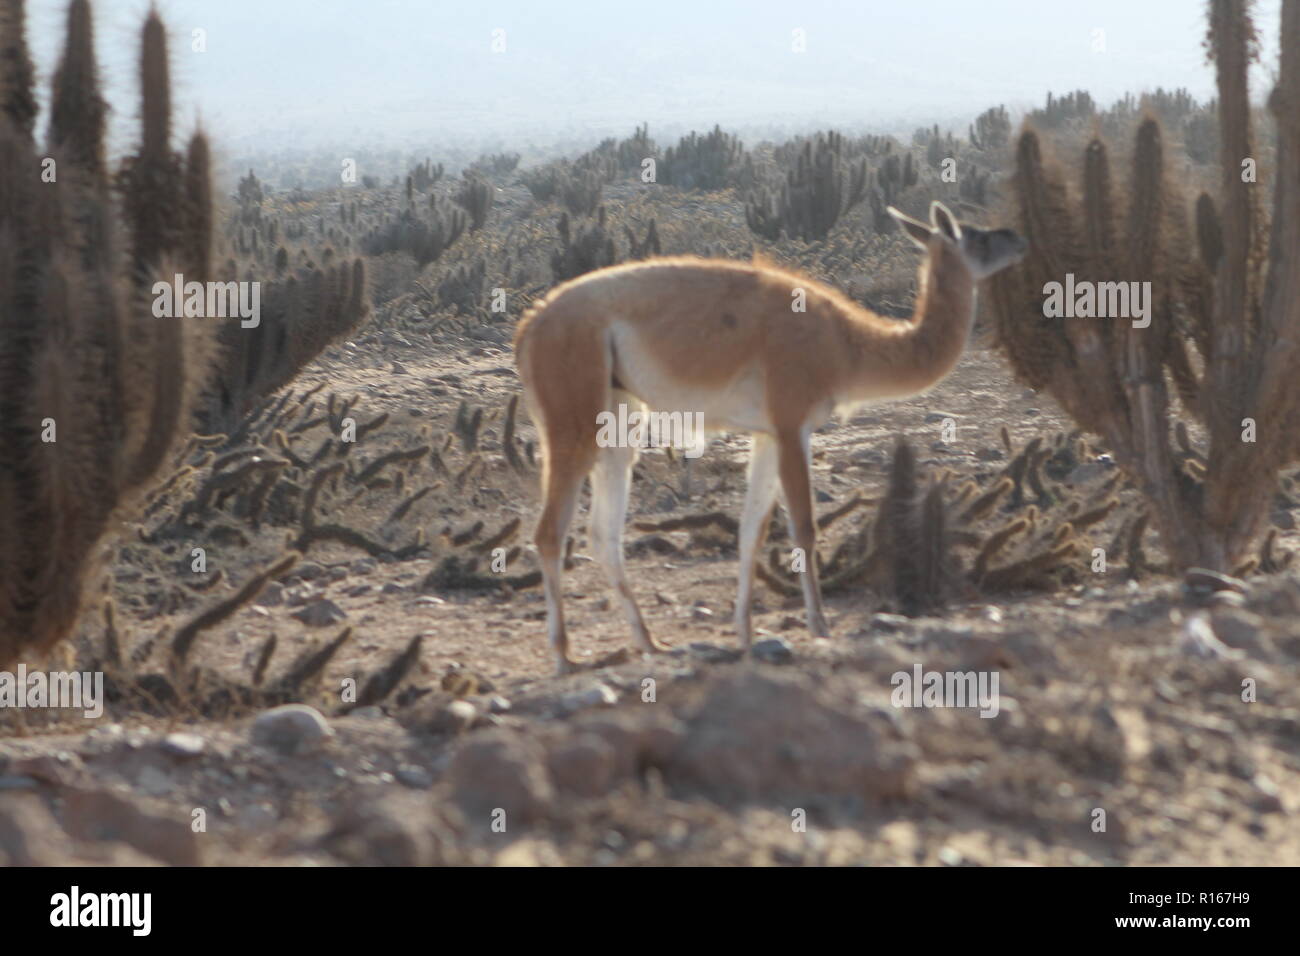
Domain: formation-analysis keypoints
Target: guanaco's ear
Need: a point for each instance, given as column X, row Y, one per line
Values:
column 945, row 221
column 919, row 231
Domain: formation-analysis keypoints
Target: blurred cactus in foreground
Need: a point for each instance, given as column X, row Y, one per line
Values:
column 98, row 384
column 1224, row 322
column 94, row 389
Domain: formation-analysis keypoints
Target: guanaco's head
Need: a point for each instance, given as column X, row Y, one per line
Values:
column 985, row 251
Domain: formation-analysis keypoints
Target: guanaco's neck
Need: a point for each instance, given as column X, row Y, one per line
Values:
column 906, row 358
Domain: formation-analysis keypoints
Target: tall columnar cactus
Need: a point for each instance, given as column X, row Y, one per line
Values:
column 475, row 197
column 1236, row 302
column 581, row 190
column 973, row 184
column 16, row 74
column 590, row 248
column 635, row 149
column 991, row 129
column 94, row 389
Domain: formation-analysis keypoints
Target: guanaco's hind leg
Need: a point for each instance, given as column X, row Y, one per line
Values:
column 759, row 498
column 563, row 483
column 565, row 367
column 611, row 480
column 796, row 481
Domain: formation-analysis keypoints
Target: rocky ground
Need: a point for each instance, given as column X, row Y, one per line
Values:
column 1139, row 721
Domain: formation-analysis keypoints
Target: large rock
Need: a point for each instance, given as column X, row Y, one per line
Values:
column 29, row 835
column 321, row 612
column 597, row 695
column 382, row 833
column 584, row 765
column 500, row 771
column 640, row 737
column 1241, row 629
column 291, row 729
column 101, row 815
column 769, row 735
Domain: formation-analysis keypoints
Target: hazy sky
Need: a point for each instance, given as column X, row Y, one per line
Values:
column 385, row 71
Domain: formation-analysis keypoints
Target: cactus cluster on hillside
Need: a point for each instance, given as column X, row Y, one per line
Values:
column 1171, row 106
column 818, row 190
column 425, row 237
column 423, row 175
column 293, row 467
column 704, row 162
column 591, row 246
column 1060, row 110
column 543, row 182
column 1178, row 112
column 1224, row 324
column 301, row 315
column 475, row 197
column 588, row 248
column 633, row 150
column 875, row 145
column 494, row 165
column 612, row 158
column 938, row 146
column 579, row 183
column 920, row 532
column 579, row 190
column 934, row 540
column 891, row 178
column 461, row 289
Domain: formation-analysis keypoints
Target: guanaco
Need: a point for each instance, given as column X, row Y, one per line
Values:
column 752, row 347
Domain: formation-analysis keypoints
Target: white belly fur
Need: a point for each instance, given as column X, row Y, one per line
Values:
column 740, row 405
